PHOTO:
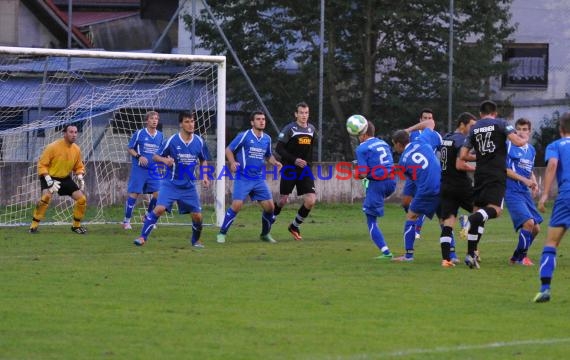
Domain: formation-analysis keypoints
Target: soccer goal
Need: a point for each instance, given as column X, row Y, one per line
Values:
column 106, row 95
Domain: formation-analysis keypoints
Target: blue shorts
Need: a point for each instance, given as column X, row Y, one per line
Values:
column 376, row 192
column 425, row 204
column 409, row 188
column 141, row 182
column 560, row 213
column 257, row 190
column 522, row 208
column 187, row 198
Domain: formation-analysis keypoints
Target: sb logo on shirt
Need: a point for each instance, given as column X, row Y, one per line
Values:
column 304, row 140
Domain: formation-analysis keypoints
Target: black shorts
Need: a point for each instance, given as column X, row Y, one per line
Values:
column 489, row 193
column 303, row 180
column 452, row 199
column 68, row 186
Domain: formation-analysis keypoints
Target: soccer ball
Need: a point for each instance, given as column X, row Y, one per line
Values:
column 356, row 125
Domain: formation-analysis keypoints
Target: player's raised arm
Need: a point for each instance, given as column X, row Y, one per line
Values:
column 517, row 139
column 425, row 124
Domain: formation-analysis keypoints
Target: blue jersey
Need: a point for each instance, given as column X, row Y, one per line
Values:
column 430, row 137
column 560, row 150
column 376, row 155
column 415, row 134
column 420, row 163
column 145, row 144
column 186, row 156
column 520, row 159
column 250, row 152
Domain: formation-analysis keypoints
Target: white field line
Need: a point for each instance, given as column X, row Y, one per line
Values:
column 449, row 349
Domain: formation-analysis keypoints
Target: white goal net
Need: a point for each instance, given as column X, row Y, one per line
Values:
column 106, row 95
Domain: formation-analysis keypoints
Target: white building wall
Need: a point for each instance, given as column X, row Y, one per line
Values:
column 537, row 114
column 544, row 21
column 9, row 22
column 20, row 27
column 32, row 33
column 189, row 8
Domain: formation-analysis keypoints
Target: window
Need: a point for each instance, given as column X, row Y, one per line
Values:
column 528, row 66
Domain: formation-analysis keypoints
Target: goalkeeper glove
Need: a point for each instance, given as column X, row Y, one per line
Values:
column 81, row 182
column 53, row 185
column 365, row 182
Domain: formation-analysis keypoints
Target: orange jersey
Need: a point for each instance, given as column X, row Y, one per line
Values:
column 59, row 159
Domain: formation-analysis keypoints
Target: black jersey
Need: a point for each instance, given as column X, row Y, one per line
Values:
column 449, row 151
column 488, row 137
column 295, row 142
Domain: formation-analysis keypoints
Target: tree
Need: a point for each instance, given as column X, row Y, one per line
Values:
column 547, row 133
column 383, row 59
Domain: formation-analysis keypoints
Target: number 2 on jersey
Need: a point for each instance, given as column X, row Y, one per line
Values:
column 383, row 155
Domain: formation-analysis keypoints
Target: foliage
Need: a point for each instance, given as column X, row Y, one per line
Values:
column 547, row 133
column 383, row 59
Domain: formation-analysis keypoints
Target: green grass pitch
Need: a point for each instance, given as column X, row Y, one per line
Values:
column 67, row 296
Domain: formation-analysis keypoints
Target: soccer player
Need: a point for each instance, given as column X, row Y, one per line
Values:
column 419, row 163
column 374, row 164
column 143, row 145
column 488, row 138
column 295, row 148
column 558, row 158
column 456, row 185
column 246, row 155
column 180, row 155
column 521, row 188
column 59, row 160
column 409, row 190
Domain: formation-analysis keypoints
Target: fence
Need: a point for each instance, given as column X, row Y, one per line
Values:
column 331, row 187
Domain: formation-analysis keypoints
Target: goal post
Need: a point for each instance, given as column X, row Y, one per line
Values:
column 106, row 95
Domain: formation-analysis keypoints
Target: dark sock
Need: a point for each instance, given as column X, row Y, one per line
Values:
column 302, row 214
column 277, row 209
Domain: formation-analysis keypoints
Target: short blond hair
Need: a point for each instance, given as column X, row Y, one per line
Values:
column 150, row 113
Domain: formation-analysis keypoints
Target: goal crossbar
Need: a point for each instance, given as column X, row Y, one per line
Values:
column 110, row 54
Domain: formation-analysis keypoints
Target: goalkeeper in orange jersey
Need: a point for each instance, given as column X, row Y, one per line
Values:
column 58, row 161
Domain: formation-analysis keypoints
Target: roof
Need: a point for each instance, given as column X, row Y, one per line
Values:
column 56, row 21
column 86, row 18
column 89, row 66
column 100, row 3
column 98, row 95
column 89, row 93
column 90, row 12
